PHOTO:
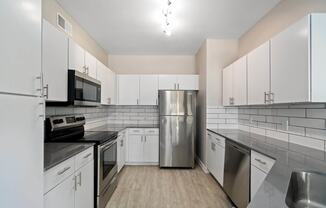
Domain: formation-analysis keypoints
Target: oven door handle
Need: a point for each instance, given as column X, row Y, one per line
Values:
column 105, row 147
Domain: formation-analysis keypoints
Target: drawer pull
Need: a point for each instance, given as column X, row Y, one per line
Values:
column 63, row 171
column 260, row 161
column 86, row 156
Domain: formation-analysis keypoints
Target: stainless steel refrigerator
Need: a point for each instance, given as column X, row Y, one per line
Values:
column 177, row 128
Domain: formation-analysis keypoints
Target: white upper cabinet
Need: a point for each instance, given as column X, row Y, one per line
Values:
column 76, row 57
column 90, row 64
column 81, row 60
column 178, row 82
column 227, row 85
column 239, row 82
column 259, row 75
column 187, row 82
column 108, row 84
column 20, row 62
column 167, row 82
column 112, row 87
column 290, row 65
column 318, row 61
column 128, row 89
column 55, row 62
column 148, row 85
column 103, row 76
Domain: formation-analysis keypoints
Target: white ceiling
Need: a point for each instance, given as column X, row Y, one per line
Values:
column 134, row 26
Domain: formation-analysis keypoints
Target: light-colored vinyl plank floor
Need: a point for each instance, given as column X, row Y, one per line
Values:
column 152, row 187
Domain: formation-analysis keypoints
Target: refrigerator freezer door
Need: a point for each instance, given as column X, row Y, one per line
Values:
column 177, row 137
column 177, row 103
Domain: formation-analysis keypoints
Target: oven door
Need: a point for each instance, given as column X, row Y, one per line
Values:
column 107, row 164
column 83, row 89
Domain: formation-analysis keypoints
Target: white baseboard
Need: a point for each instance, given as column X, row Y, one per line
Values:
column 202, row 165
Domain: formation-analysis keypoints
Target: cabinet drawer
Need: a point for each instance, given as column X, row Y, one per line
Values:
column 136, row 131
column 151, row 131
column 218, row 139
column 84, row 157
column 59, row 173
column 261, row 161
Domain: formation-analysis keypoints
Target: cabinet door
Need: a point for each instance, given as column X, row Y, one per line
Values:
column 103, row 76
column 239, row 81
column 55, row 62
column 318, row 62
column 90, row 62
column 128, row 89
column 21, row 129
column 84, row 195
column 167, row 82
column 62, row 196
column 187, row 82
column 112, row 87
column 20, row 62
column 119, row 152
column 256, row 180
column 227, row 85
column 259, row 74
column 290, row 63
column 148, row 90
column 220, row 155
column 151, row 148
column 135, row 148
column 210, row 153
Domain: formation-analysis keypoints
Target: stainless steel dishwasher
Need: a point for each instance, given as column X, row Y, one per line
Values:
column 237, row 174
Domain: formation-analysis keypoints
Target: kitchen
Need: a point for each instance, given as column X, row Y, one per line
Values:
column 125, row 104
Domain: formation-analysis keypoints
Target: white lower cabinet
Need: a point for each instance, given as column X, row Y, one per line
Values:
column 84, row 195
column 260, row 167
column 215, row 156
column 70, row 184
column 121, row 150
column 143, row 146
column 62, row 196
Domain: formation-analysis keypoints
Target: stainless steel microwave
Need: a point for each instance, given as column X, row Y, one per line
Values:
column 83, row 90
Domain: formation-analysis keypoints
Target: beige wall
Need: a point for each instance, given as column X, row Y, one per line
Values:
column 211, row 58
column 280, row 17
column 142, row 64
column 50, row 10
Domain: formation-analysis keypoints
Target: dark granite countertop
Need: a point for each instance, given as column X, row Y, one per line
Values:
column 121, row 127
column 289, row 158
column 55, row 153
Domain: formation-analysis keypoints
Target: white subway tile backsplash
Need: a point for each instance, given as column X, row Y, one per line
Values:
column 277, row 135
column 257, row 131
column 215, row 110
column 316, row 113
column 291, row 112
column 306, row 122
column 308, row 142
column 316, row 133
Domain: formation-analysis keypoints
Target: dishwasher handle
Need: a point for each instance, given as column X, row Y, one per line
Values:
column 239, row 148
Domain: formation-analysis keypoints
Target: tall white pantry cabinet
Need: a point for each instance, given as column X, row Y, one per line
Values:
column 22, row 104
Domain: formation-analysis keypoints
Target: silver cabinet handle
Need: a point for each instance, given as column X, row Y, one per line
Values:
column 63, row 171
column 260, row 161
column 213, row 146
column 145, row 138
column 175, row 86
column 84, row 69
column 46, row 94
column 271, row 97
column 80, row 179
column 178, row 86
column 265, row 97
column 75, row 183
column 86, row 156
column 137, row 101
column 109, row 100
